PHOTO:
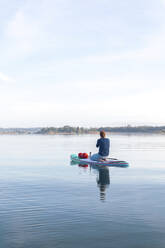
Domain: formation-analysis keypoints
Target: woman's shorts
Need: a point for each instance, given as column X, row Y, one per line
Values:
column 96, row 157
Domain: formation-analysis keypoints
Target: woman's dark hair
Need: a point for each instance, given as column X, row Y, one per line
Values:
column 102, row 134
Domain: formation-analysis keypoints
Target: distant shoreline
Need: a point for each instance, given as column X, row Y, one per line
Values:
column 69, row 130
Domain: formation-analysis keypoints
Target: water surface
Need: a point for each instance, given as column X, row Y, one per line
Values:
column 46, row 202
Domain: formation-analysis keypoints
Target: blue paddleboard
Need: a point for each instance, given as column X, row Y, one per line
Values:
column 108, row 162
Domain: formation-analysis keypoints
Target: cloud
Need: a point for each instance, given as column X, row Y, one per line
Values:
column 26, row 32
column 5, row 78
column 82, row 109
column 22, row 36
column 69, row 61
column 152, row 50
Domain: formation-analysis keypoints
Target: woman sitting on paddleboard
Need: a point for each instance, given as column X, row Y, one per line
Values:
column 103, row 144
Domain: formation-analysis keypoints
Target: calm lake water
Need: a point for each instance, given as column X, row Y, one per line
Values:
column 47, row 203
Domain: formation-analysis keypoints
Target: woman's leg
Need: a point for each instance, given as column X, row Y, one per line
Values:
column 95, row 157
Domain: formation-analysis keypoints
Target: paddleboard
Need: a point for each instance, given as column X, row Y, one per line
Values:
column 109, row 162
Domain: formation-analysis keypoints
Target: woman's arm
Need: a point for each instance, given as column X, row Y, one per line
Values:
column 98, row 143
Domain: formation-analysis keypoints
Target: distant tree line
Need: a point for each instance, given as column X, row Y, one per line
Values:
column 65, row 129
column 135, row 129
column 82, row 130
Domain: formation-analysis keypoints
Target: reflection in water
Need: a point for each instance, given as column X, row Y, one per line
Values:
column 83, row 165
column 103, row 180
column 103, row 177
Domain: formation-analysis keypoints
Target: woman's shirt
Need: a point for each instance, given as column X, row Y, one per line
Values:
column 103, row 144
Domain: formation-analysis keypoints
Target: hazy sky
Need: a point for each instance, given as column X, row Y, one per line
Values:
column 86, row 63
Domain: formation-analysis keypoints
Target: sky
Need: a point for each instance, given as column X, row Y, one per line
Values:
column 82, row 63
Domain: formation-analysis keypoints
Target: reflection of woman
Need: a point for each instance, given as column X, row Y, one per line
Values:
column 103, row 181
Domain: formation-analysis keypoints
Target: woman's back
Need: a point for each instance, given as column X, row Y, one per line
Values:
column 103, row 144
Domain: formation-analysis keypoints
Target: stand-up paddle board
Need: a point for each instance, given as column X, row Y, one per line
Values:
column 108, row 162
